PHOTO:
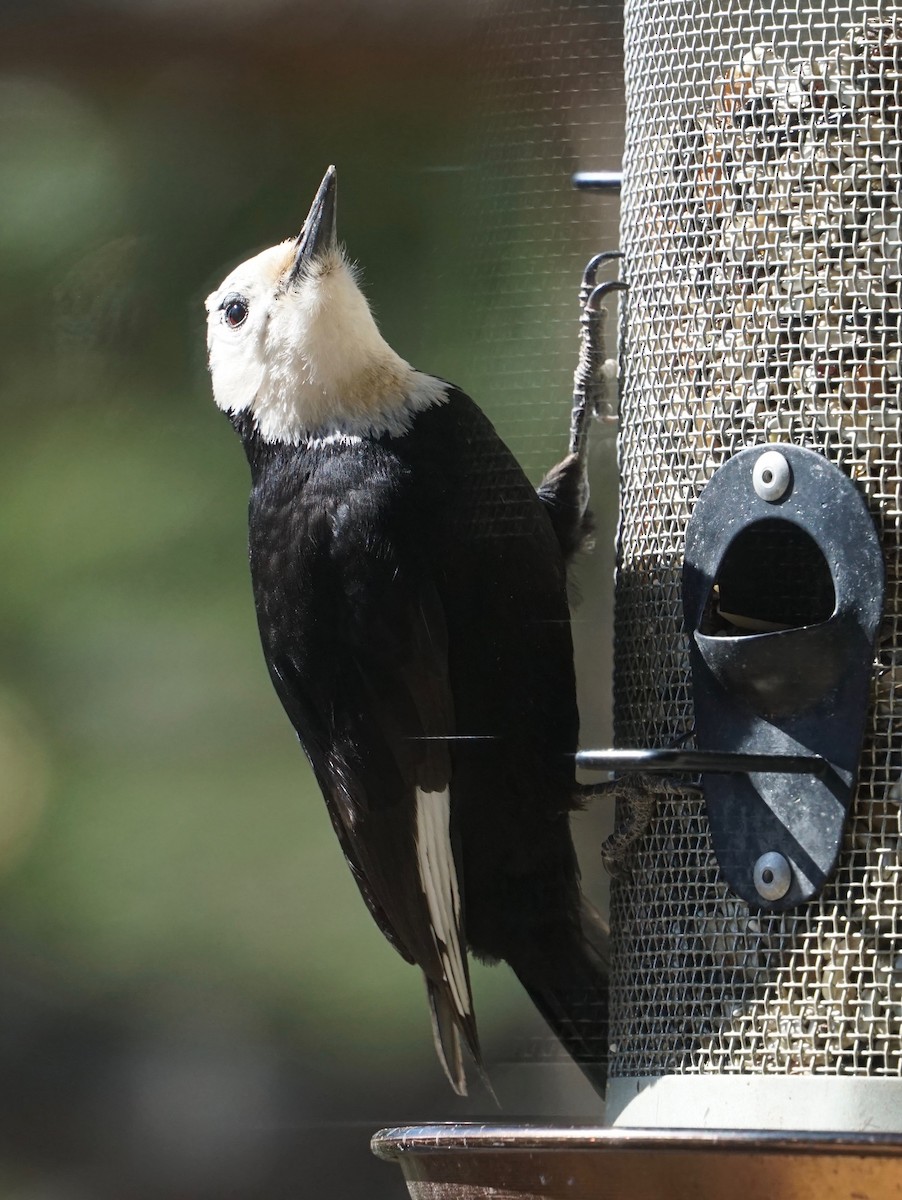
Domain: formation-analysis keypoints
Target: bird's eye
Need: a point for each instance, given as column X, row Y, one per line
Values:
column 235, row 311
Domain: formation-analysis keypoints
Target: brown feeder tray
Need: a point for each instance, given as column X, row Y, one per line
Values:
column 517, row 1162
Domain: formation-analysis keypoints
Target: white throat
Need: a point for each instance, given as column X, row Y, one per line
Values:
column 309, row 362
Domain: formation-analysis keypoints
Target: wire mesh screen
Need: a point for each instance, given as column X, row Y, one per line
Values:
column 761, row 224
column 551, row 95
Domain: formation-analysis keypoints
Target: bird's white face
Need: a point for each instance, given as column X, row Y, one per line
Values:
column 300, row 350
column 240, row 324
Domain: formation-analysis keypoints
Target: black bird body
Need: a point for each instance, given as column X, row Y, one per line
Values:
column 410, row 588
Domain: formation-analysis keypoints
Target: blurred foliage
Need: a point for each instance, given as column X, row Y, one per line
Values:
column 166, row 862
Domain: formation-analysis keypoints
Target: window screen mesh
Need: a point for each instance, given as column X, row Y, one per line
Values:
column 761, row 224
column 550, row 87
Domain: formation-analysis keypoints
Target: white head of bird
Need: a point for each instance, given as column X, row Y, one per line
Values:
column 291, row 339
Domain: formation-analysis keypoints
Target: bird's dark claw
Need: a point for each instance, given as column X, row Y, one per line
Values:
column 590, row 274
column 595, row 297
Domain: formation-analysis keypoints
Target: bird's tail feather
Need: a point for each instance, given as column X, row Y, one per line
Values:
column 450, row 1033
column 446, row 1033
column 569, row 987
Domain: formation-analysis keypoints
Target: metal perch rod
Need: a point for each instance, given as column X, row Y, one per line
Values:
column 697, row 762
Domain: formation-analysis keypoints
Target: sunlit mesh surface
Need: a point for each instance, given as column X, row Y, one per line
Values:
column 761, row 223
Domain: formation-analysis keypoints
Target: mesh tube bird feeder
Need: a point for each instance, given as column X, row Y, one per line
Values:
column 761, row 227
column 756, row 1011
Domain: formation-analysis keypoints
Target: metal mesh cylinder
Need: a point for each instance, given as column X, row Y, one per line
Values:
column 762, row 232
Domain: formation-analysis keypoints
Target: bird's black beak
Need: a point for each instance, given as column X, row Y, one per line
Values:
column 318, row 234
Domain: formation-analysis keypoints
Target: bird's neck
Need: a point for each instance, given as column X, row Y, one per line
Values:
column 343, row 422
column 261, row 453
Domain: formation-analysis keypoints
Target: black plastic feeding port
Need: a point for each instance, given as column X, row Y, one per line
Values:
column 783, row 587
column 783, row 593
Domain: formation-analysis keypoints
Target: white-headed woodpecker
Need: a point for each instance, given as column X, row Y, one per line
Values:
column 411, row 598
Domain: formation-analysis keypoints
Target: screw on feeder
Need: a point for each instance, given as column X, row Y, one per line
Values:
column 772, row 875
column 771, row 476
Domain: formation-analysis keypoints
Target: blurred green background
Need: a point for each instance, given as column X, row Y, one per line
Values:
column 193, row 999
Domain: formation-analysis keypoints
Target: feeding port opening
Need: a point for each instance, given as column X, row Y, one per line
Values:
column 773, row 577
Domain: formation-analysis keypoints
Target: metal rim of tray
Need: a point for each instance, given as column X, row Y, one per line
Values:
column 536, row 1162
column 393, row 1144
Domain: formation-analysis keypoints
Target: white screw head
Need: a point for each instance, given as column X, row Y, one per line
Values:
column 772, row 875
column 771, row 475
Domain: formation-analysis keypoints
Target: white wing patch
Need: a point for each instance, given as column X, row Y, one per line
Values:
column 438, row 875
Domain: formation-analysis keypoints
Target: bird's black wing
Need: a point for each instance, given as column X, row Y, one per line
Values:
column 401, row 659
column 361, row 666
